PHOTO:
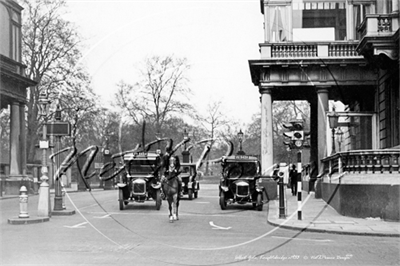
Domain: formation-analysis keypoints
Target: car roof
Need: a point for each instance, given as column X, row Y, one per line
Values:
column 241, row 158
column 140, row 156
column 188, row 164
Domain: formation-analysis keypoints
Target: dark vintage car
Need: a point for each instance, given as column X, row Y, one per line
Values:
column 140, row 182
column 239, row 181
column 190, row 183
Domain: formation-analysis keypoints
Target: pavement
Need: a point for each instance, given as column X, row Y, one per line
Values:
column 318, row 216
column 32, row 214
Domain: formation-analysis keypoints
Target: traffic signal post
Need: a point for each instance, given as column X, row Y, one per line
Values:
column 296, row 140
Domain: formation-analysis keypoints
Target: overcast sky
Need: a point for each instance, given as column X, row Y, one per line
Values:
column 217, row 37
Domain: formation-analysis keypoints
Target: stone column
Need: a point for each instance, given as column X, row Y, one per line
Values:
column 267, row 147
column 323, row 106
column 395, row 6
column 15, row 140
column 350, row 21
column 313, row 133
column 22, row 140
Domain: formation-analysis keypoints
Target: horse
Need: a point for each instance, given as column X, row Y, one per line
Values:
column 171, row 188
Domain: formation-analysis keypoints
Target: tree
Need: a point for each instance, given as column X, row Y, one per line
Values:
column 51, row 53
column 283, row 112
column 4, row 133
column 252, row 143
column 213, row 120
column 160, row 92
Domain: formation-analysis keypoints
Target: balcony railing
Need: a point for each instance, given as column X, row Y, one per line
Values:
column 363, row 162
column 379, row 25
column 337, row 49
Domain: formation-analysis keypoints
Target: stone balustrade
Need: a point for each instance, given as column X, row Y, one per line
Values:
column 379, row 24
column 310, row 50
column 363, row 162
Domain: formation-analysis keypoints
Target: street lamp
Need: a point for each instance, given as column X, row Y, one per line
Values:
column 333, row 123
column 44, row 103
column 240, row 137
column 44, row 193
column 339, row 133
column 185, row 153
column 185, row 136
column 108, row 184
column 58, row 198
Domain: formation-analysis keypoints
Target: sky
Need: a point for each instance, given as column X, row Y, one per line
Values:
column 217, row 37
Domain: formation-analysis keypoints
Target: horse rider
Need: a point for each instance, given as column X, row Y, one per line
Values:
column 171, row 169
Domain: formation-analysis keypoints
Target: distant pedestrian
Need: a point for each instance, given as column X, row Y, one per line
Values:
column 293, row 179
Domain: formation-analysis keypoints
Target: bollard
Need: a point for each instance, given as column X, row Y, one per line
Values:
column 63, row 198
column 281, row 196
column 23, row 203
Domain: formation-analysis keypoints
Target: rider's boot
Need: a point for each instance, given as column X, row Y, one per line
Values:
column 180, row 190
column 162, row 194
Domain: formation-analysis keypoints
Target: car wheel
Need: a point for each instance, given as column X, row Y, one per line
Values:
column 259, row 202
column 190, row 194
column 222, row 201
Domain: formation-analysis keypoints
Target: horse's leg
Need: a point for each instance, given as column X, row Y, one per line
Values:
column 171, row 217
column 177, row 207
column 174, row 207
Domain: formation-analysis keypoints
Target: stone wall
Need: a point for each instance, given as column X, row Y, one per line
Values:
column 363, row 200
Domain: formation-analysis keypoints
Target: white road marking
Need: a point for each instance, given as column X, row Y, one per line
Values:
column 76, row 226
column 89, row 206
column 303, row 239
column 136, row 213
column 102, row 217
column 219, row 227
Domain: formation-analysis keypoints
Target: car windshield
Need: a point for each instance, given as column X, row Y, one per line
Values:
column 141, row 166
column 240, row 169
column 188, row 170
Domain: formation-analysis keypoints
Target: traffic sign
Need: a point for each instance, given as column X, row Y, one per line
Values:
column 59, row 128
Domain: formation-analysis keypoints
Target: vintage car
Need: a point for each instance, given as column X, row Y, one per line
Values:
column 239, row 181
column 190, row 184
column 140, row 182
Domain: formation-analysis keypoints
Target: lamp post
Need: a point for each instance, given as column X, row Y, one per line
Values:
column 333, row 123
column 108, row 184
column 339, row 133
column 44, row 103
column 240, row 137
column 58, row 199
column 44, row 193
column 185, row 153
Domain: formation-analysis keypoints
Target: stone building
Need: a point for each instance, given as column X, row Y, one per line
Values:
column 343, row 51
column 13, row 91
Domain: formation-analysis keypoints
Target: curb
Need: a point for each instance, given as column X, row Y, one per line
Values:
column 63, row 212
column 18, row 220
column 307, row 229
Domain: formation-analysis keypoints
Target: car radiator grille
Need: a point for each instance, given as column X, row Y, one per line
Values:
column 242, row 190
column 139, row 188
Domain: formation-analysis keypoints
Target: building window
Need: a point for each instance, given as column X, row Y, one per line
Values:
column 392, row 112
column 279, row 28
column 320, row 20
column 15, row 42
